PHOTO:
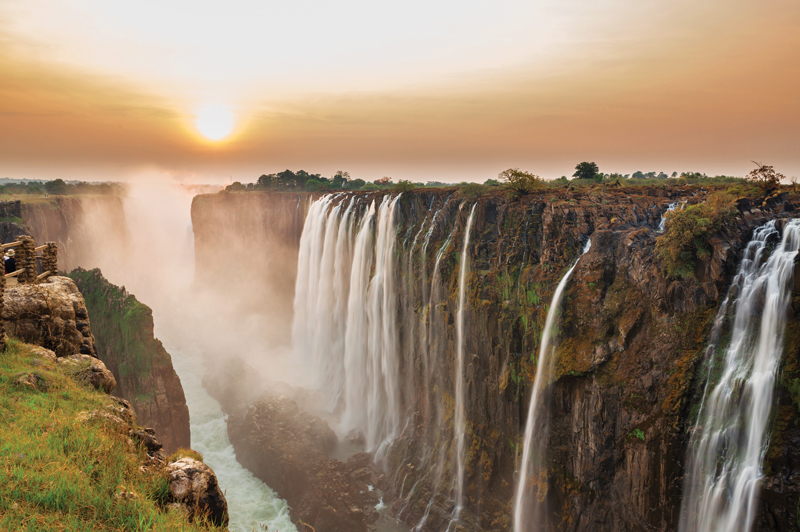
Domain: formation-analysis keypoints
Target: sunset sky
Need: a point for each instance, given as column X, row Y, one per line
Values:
column 420, row 90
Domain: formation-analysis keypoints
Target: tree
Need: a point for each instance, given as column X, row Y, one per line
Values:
column 765, row 177
column 340, row 178
column 384, row 181
column 586, row 170
column 638, row 174
column 58, row 186
column 519, row 182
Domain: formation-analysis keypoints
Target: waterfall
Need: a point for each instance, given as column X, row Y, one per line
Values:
column 729, row 442
column 460, row 415
column 345, row 325
column 536, row 424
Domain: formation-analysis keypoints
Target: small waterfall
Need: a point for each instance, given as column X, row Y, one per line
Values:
column 671, row 207
column 533, row 467
column 728, row 445
column 460, row 415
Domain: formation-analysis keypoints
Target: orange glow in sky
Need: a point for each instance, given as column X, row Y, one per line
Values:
column 442, row 90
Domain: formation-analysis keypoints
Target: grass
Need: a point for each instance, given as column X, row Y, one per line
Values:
column 60, row 473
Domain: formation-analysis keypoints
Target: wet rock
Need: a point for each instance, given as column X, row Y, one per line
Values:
column 194, row 484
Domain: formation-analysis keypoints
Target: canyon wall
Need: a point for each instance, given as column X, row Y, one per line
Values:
column 629, row 343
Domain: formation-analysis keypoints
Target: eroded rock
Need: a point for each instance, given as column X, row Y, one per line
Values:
column 89, row 370
column 194, row 484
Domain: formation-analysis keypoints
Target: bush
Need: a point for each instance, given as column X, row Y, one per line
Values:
column 370, row 186
column 471, row 191
column 184, row 453
column 518, row 182
column 403, row 186
column 688, row 232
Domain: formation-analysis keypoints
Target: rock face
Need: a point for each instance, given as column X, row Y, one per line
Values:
column 52, row 314
column 287, row 449
column 629, row 344
column 142, row 367
column 194, row 484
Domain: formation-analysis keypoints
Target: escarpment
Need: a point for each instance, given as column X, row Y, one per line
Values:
column 628, row 345
column 143, row 368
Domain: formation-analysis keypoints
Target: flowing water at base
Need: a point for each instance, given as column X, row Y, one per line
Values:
column 252, row 505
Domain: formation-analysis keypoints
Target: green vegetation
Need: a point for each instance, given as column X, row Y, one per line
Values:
column 765, row 178
column 184, row 453
column 122, row 325
column 688, row 233
column 589, row 171
column 61, row 472
column 637, row 433
column 58, row 187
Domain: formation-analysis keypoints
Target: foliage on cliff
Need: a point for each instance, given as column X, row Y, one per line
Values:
column 122, row 325
column 688, row 234
column 62, row 471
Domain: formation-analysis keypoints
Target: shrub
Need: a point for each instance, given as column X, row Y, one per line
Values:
column 518, row 182
column 370, row 186
column 184, row 453
column 688, row 232
column 471, row 191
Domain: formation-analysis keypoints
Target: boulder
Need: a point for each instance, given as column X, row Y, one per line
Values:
column 194, row 484
column 89, row 370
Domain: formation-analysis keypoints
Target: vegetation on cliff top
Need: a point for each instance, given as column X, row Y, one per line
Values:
column 122, row 325
column 59, row 471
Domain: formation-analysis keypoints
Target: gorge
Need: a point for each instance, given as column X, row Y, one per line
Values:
column 415, row 325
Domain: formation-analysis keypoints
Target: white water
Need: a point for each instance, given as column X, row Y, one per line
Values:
column 345, row 326
column 460, row 415
column 252, row 505
column 526, row 505
column 731, row 437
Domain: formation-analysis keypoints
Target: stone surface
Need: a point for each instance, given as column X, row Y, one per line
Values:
column 52, row 314
column 194, row 484
column 89, row 370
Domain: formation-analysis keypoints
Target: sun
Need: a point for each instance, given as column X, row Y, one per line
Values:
column 214, row 121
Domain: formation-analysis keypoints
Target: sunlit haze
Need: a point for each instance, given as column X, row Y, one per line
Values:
column 413, row 90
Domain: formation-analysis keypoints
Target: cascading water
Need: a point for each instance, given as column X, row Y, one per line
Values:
column 460, row 415
column 727, row 448
column 345, row 324
column 527, row 515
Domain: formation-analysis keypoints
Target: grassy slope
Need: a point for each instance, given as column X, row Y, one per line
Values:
column 59, row 473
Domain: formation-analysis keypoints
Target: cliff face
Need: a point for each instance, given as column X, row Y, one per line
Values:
column 629, row 343
column 143, row 368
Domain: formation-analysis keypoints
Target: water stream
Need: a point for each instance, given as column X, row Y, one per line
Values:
column 731, row 437
column 532, row 482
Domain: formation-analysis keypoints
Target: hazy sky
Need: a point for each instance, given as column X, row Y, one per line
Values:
column 421, row 90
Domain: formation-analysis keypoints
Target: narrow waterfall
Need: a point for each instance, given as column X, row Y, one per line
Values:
column 671, row 207
column 460, row 415
column 731, row 437
column 345, row 326
column 527, row 499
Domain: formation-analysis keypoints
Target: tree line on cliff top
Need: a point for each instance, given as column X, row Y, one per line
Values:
column 586, row 173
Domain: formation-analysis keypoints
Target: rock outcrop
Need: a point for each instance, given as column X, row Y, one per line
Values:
column 51, row 314
column 89, row 370
column 288, row 450
column 142, row 367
